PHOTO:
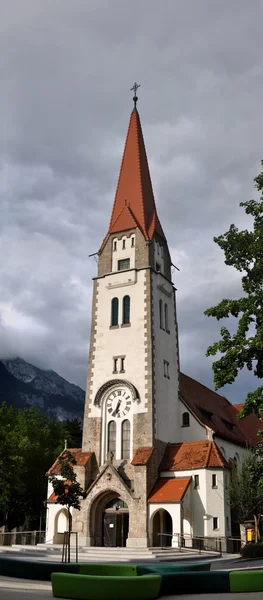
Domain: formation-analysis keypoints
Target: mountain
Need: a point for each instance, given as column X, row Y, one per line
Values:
column 24, row 385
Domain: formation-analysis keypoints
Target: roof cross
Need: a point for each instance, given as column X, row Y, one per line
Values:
column 134, row 89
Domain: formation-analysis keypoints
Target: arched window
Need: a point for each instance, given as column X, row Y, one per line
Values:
column 166, row 322
column 185, row 419
column 125, row 439
column 126, row 310
column 114, row 312
column 112, row 438
column 161, row 313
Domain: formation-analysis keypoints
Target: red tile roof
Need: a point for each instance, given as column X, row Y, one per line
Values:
column 192, row 455
column 217, row 413
column 134, row 204
column 169, row 490
column 82, row 459
column 249, row 425
column 142, row 456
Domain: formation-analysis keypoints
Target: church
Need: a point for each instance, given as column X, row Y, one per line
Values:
column 157, row 445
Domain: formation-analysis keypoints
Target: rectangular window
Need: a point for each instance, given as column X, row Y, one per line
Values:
column 214, row 481
column 196, row 480
column 158, row 267
column 115, row 365
column 132, row 242
column 166, row 320
column 123, row 264
column 215, row 523
column 122, row 364
column 227, row 523
column 123, row 244
column 115, row 245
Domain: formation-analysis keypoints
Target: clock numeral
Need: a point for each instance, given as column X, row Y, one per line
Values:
column 119, row 392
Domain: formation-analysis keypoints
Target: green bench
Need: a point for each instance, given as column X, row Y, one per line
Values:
column 105, row 587
column 246, row 581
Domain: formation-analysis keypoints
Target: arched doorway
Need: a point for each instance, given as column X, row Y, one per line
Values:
column 162, row 528
column 109, row 520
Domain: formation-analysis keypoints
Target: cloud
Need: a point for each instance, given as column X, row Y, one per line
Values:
column 66, row 71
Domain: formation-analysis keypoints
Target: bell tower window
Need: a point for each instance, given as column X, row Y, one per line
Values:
column 125, row 439
column 126, row 310
column 112, row 439
column 114, row 312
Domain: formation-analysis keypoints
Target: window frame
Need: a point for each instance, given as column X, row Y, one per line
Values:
column 114, row 321
column 185, row 424
column 196, row 482
column 214, row 481
column 215, row 523
column 111, row 442
column 125, row 452
column 126, row 310
column 121, row 261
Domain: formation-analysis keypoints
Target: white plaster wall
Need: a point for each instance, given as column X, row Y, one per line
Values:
column 206, row 502
column 195, row 431
column 230, row 450
column 166, row 390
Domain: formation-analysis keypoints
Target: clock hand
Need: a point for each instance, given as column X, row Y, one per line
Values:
column 116, row 409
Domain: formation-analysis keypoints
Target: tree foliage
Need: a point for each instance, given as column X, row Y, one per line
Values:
column 67, row 488
column 246, row 490
column 244, row 348
column 29, row 444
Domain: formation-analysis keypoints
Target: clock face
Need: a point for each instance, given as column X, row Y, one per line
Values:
column 119, row 402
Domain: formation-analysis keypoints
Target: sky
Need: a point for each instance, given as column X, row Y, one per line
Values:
column 66, row 69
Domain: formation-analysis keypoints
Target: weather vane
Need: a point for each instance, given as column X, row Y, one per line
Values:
column 134, row 89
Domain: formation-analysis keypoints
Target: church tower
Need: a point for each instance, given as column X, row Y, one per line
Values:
column 132, row 385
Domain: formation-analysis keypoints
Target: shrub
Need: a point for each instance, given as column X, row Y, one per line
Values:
column 252, row 550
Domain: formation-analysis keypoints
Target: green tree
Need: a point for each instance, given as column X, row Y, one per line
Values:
column 246, row 490
column 29, row 444
column 67, row 489
column 244, row 348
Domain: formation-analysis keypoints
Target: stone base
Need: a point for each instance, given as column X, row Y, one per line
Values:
column 137, row 542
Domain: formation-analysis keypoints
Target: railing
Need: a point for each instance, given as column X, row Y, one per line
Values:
column 199, row 543
column 30, row 538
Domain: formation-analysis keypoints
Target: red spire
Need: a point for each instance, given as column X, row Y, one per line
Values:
column 134, row 204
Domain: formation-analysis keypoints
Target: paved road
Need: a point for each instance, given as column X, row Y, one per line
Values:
column 23, row 589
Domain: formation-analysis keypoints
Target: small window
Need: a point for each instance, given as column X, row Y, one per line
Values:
column 114, row 312
column 125, row 439
column 196, row 481
column 158, row 267
column 161, row 313
column 123, row 264
column 132, row 242
column 214, row 481
column 215, row 522
column 112, row 439
column 227, row 523
column 166, row 323
column 123, row 244
column 115, row 245
column 185, row 419
column 166, row 369
column 122, row 364
column 126, row 310
column 115, row 365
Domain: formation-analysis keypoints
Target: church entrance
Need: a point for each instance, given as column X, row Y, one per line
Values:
column 115, row 523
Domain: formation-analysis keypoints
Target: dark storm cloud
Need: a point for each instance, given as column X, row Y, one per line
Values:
column 66, row 69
